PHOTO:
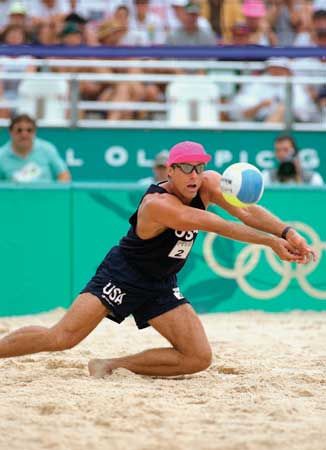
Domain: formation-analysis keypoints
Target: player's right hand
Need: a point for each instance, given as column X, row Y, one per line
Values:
column 288, row 252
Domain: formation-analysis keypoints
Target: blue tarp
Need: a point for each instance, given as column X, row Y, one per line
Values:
column 246, row 53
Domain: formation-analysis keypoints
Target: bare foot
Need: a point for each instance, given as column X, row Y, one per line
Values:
column 99, row 368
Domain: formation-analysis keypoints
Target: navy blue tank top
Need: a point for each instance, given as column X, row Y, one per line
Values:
column 162, row 256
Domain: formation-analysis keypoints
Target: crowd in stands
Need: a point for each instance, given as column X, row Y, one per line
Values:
column 155, row 22
column 171, row 22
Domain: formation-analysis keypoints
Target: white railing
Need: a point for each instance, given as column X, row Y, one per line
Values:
column 73, row 105
column 142, row 64
column 243, row 66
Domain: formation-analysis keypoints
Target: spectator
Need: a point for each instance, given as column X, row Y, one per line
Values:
column 176, row 16
column 121, row 14
column 45, row 9
column 289, row 168
column 108, row 33
column 317, row 35
column 285, row 18
column 93, row 11
column 71, row 34
column 321, row 103
column 313, row 66
column 319, row 28
column 87, row 29
column 45, row 34
column 177, row 13
column 165, row 11
column 13, row 35
column 18, row 15
column 147, row 23
column 254, row 12
column 223, row 16
column 114, row 33
column 240, row 34
column 26, row 159
column 190, row 33
column 159, row 170
column 265, row 102
column 49, row 10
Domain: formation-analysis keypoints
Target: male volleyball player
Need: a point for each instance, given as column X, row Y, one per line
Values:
column 138, row 276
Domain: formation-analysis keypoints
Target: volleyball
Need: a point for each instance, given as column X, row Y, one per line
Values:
column 242, row 184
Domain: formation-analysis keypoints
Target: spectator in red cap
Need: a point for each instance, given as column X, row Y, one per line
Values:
column 139, row 276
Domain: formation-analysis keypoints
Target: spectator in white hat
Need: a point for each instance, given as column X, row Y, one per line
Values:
column 17, row 14
column 265, row 102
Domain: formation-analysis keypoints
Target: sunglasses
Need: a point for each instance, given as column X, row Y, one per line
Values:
column 189, row 168
column 28, row 130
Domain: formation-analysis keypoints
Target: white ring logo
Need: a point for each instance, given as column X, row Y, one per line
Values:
column 248, row 259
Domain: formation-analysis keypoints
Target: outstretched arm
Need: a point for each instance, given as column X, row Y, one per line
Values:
column 169, row 212
column 259, row 218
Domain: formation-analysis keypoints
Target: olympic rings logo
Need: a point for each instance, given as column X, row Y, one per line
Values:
column 249, row 256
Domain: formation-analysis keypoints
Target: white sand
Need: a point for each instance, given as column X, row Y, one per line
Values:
column 265, row 390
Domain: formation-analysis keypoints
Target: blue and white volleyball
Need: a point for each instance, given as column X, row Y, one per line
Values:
column 242, row 184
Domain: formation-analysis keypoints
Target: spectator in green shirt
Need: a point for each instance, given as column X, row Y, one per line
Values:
column 25, row 158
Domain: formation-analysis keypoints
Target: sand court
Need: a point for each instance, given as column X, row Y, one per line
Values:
column 266, row 389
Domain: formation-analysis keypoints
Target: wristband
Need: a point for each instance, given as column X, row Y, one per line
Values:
column 285, row 232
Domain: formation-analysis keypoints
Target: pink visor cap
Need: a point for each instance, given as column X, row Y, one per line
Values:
column 254, row 8
column 187, row 152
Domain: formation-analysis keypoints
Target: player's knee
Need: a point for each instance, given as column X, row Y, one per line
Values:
column 63, row 340
column 199, row 362
column 204, row 360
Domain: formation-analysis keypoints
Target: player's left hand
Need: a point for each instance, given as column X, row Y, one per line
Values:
column 285, row 251
column 301, row 247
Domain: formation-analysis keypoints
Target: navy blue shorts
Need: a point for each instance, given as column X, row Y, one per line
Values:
column 123, row 298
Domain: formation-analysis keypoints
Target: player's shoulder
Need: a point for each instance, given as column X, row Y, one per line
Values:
column 210, row 187
column 159, row 203
column 211, row 179
column 212, row 175
column 158, row 198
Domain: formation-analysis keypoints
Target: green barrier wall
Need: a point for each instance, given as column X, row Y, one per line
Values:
column 126, row 155
column 52, row 239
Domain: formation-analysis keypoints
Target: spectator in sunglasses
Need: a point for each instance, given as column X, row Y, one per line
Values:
column 25, row 158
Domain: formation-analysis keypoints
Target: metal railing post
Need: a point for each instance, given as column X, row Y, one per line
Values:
column 74, row 99
column 288, row 114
